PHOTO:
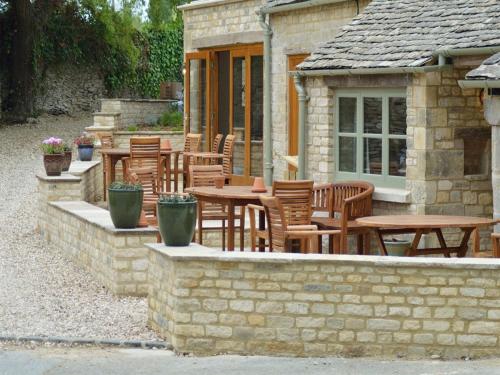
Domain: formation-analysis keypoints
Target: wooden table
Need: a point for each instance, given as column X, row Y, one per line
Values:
column 231, row 196
column 424, row 224
column 112, row 155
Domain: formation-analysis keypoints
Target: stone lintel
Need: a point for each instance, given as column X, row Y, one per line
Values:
column 229, row 39
column 367, row 81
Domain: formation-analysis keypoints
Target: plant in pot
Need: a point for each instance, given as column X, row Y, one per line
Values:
column 177, row 219
column 53, row 156
column 125, row 204
column 85, row 143
column 67, row 157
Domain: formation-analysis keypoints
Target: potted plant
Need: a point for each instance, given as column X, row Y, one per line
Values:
column 177, row 219
column 125, row 204
column 85, row 143
column 68, row 155
column 53, row 156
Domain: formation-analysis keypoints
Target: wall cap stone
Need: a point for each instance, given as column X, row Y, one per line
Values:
column 140, row 100
column 78, row 168
column 392, row 195
column 98, row 217
column 195, row 252
column 146, row 132
column 64, row 177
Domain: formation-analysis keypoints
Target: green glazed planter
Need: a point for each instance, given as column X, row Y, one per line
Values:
column 125, row 207
column 397, row 248
column 177, row 222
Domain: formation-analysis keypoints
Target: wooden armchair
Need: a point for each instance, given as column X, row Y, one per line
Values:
column 215, row 148
column 144, row 153
column 146, row 177
column 227, row 159
column 192, row 143
column 281, row 233
column 495, row 242
column 205, row 175
column 322, row 199
column 350, row 200
column 296, row 197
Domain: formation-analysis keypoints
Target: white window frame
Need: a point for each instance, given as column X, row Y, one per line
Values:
column 384, row 179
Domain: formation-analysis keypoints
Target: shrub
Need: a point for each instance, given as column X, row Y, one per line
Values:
column 176, row 198
column 125, row 186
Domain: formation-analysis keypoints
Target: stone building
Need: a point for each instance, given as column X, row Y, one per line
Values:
column 377, row 83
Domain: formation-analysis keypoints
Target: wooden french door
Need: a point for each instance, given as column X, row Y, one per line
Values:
column 293, row 110
column 224, row 94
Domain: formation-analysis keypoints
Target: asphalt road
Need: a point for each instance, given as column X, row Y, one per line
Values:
column 94, row 361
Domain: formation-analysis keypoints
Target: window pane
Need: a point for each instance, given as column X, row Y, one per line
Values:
column 397, row 116
column 256, row 115
column 239, row 115
column 347, row 115
column 347, row 154
column 372, row 156
column 397, row 157
column 372, row 109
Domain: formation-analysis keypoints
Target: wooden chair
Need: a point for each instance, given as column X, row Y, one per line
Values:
column 281, row 233
column 205, row 175
column 227, row 159
column 106, row 139
column 146, row 177
column 144, row 153
column 494, row 253
column 215, row 148
column 296, row 198
column 192, row 143
column 350, row 200
column 322, row 199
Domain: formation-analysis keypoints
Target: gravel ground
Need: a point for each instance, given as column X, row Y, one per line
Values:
column 42, row 293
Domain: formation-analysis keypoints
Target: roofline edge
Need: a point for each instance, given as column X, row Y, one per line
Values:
column 307, row 4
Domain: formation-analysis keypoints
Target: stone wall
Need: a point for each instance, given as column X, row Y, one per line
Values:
column 301, row 32
column 209, row 302
column 117, row 258
column 122, row 138
column 67, row 89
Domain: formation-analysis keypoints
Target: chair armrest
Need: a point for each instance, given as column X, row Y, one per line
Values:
column 328, row 232
column 302, row 227
column 495, row 235
column 255, row 207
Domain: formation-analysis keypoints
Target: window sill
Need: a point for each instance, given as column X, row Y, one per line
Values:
column 392, row 195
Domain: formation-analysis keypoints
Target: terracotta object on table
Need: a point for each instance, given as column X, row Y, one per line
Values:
column 219, row 182
column 165, row 144
column 143, row 221
column 258, row 185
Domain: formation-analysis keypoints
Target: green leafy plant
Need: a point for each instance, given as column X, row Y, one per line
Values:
column 66, row 147
column 177, row 198
column 132, row 128
column 125, row 186
column 171, row 118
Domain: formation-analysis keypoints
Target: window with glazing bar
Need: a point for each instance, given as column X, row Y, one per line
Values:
column 371, row 136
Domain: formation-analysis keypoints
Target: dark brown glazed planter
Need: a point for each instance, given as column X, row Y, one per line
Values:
column 53, row 164
column 66, row 160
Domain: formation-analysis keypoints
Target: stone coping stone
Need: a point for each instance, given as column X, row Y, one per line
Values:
column 103, row 114
column 146, row 132
column 392, row 195
column 98, row 216
column 77, row 169
column 140, row 100
column 196, row 252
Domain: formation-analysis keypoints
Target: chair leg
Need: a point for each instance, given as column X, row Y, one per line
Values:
column 200, row 225
column 360, row 244
column 242, row 228
column 496, row 247
column 223, row 235
column 313, row 244
column 320, row 245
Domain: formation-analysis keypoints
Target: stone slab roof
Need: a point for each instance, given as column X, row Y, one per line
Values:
column 277, row 3
column 405, row 33
column 489, row 69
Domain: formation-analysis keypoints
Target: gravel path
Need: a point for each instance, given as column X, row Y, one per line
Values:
column 41, row 293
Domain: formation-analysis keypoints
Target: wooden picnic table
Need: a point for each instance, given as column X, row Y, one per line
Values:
column 113, row 155
column 231, row 197
column 424, row 224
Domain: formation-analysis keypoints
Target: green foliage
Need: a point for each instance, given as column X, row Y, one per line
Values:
column 171, row 118
column 176, row 198
column 132, row 128
column 125, row 186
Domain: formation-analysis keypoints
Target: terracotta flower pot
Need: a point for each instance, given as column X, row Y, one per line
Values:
column 258, row 185
column 219, row 182
column 67, row 160
column 165, row 144
column 53, row 164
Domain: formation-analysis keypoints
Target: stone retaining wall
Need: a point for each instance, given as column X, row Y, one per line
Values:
column 122, row 138
column 209, row 302
column 117, row 258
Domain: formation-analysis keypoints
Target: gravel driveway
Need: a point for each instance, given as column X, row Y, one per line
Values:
column 41, row 293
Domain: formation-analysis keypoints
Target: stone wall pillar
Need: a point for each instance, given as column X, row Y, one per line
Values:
column 492, row 115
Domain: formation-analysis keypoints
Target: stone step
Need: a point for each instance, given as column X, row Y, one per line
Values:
column 103, row 119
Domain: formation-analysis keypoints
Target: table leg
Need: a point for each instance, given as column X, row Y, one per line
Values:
column 380, row 240
column 476, row 241
column 230, row 226
column 242, row 228
column 442, row 242
column 262, row 226
column 414, row 245
column 465, row 240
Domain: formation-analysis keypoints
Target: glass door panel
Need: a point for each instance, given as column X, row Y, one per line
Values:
column 238, row 105
column 256, row 114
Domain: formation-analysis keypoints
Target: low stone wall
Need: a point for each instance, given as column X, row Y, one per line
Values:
column 132, row 111
column 208, row 302
column 117, row 258
column 83, row 182
column 122, row 138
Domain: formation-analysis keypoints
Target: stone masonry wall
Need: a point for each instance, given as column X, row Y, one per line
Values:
column 68, row 89
column 122, row 138
column 309, row 305
column 117, row 258
column 300, row 32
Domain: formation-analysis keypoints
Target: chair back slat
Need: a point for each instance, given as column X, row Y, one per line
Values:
column 192, row 142
column 322, row 198
column 227, row 159
column 296, row 199
column 349, row 189
column 145, row 153
column 216, row 143
column 277, row 223
column 204, row 175
column 146, row 177
column 106, row 139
